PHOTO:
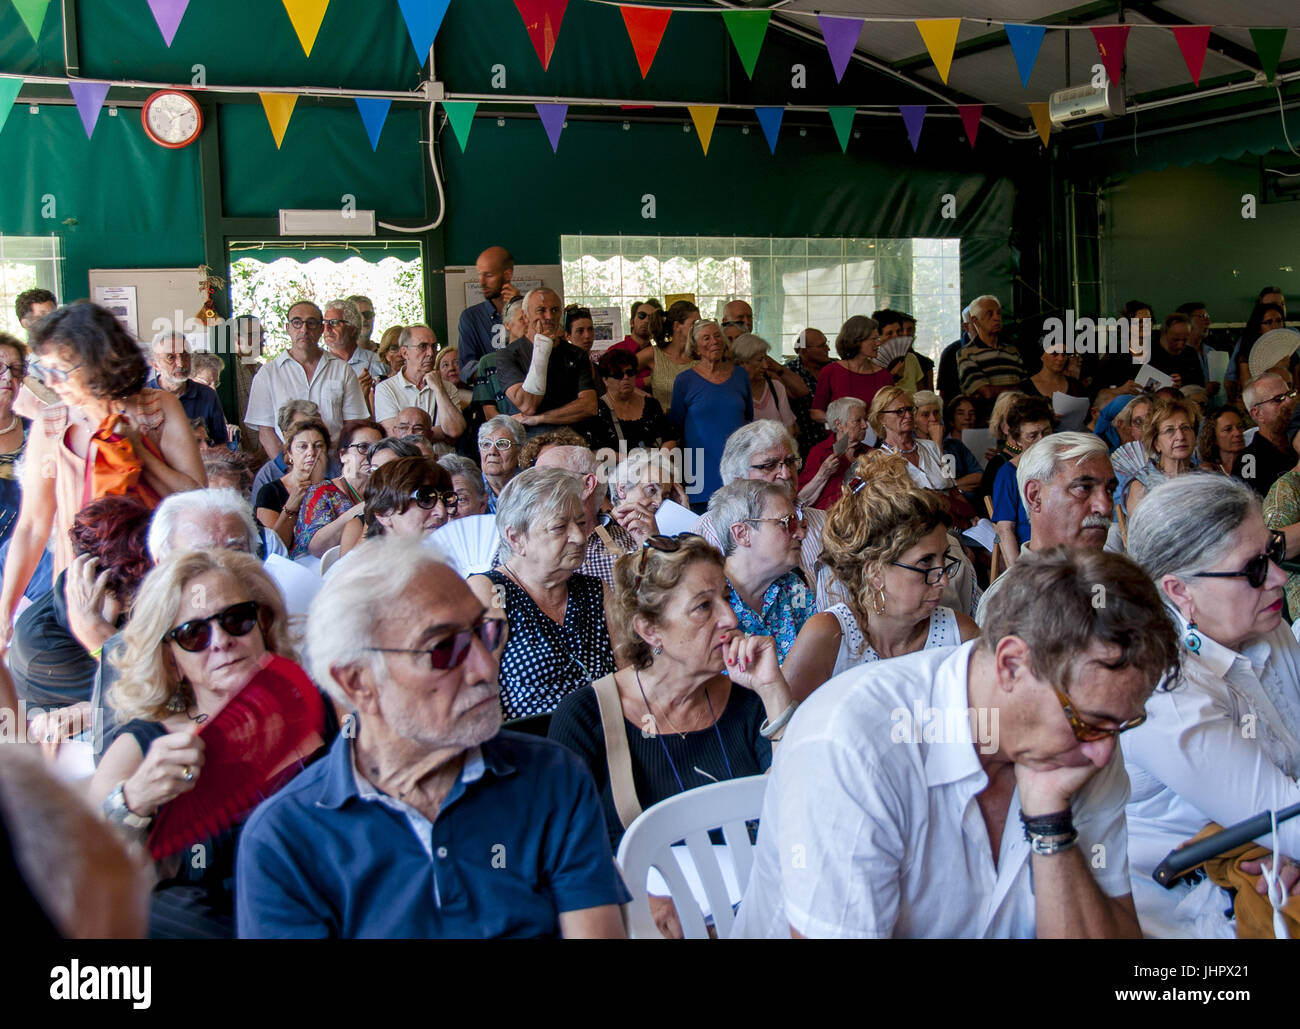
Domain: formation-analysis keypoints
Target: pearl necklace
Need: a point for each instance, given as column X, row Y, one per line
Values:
column 13, row 424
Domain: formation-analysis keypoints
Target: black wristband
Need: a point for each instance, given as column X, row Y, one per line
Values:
column 1059, row 823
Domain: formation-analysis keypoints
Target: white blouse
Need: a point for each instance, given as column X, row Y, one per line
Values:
column 928, row 472
column 855, row 650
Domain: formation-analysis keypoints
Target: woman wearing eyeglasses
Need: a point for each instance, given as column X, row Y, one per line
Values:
column 886, row 542
column 694, row 700
column 628, row 418
column 411, row 496
column 98, row 372
column 327, row 508
column 762, row 532
column 1169, row 439
column 892, row 417
column 558, row 638
column 204, row 622
column 1225, row 743
column 499, row 441
column 13, row 431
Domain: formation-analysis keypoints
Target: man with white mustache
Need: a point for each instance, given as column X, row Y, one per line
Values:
column 1067, row 485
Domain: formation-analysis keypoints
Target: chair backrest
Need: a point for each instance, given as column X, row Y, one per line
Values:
column 328, row 558
column 689, row 816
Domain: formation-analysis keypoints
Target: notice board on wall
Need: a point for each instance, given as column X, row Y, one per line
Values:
column 463, row 289
column 150, row 300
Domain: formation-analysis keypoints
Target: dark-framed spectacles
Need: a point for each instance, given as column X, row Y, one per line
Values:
column 196, row 634
column 1288, row 395
column 452, row 652
column 933, row 576
column 734, row 325
column 1257, row 568
column 626, row 373
column 900, row 410
column 17, row 372
column 790, row 523
column 426, row 498
column 311, row 323
column 663, row 544
column 49, row 374
column 1086, row 732
column 792, row 463
column 334, row 323
column 361, row 448
column 501, row 444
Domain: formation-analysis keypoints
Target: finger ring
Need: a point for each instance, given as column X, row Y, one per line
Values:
column 187, row 774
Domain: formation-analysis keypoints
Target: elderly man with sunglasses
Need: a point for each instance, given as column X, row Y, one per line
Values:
column 972, row 791
column 423, row 820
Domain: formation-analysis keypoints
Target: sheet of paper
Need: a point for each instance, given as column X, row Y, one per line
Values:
column 984, row 533
column 1072, row 411
column 978, row 442
column 672, row 518
column 1218, row 362
column 1151, row 377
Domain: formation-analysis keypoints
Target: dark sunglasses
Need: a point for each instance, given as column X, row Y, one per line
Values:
column 663, row 544
column 427, row 498
column 452, row 652
column 196, row 634
column 1256, row 570
column 626, row 373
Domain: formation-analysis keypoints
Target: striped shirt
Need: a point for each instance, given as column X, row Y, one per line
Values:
column 979, row 365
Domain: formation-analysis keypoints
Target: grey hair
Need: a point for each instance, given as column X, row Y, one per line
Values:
column 351, row 313
column 1041, row 461
column 292, row 407
column 633, row 467
column 206, row 501
column 696, row 325
column 924, row 398
column 404, row 338
column 511, row 309
column 463, row 466
column 169, row 334
column 532, row 498
column 1253, row 393
column 740, row 501
column 981, row 302
column 339, row 629
column 356, row 298
column 763, row 434
column 398, row 445
column 541, row 289
column 839, row 409
column 1186, row 524
column 748, row 346
column 502, row 423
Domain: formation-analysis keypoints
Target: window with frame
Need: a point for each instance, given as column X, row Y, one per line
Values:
column 26, row 262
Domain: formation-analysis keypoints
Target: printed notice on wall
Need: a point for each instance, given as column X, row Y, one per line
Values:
column 121, row 301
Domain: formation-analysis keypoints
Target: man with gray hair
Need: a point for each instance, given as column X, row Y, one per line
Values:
column 548, row 379
column 984, row 367
column 202, row 518
column 1270, row 402
column 170, row 359
column 343, row 328
column 424, row 820
column 1067, row 485
column 418, row 384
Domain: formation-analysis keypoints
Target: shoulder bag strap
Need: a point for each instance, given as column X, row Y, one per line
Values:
column 617, row 755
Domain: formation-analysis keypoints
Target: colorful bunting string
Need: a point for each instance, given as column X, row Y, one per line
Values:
column 1026, row 41
column 645, row 27
column 704, row 119
column 8, row 94
column 1111, row 40
column 842, row 120
column 970, row 120
column 913, row 118
column 89, row 97
column 747, row 29
column 1042, row 120
column 461, row 115
column 552, row 116
column 374, row 112
column 841, row 38
column 32, row 13
column 940, row 37
column 1193, row 40
column 279, row 109
column 770, row 119
column 168, row 15
column 423, row 19
column 306, row 17
column 1268, row 45
column 542, row 19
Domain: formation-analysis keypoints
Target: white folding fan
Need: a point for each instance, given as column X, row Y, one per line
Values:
column 470, row 543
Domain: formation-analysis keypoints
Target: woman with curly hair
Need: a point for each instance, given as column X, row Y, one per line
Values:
column 886, row 541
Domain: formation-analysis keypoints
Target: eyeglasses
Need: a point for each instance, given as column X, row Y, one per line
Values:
column 626, row 373
column 734, row 325
column 792, row 463
column 49, row 374
column 663, row 544
column 1086, row 732
column 933, row 576
column 333, row 323
column 426, row 498
column 501, row 444
column 900, row 410
column 196, row 634
column 17, row 372
column 361, row 448
column 789, row 523
column 1289, row 395
column 1257, row 568
column 311, row 323
column 452, row 652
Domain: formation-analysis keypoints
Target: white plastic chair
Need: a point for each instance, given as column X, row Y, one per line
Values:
column 328, row 558
column 689, row 816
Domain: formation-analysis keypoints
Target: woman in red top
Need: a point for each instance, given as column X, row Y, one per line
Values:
column 822, row 480
column 856, row 374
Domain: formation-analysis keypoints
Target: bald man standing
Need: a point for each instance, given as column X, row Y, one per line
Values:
column 480, row 329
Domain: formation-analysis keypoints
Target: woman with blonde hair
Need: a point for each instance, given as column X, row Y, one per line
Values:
column 892, row 416
column 389, row 351
column 886, row 542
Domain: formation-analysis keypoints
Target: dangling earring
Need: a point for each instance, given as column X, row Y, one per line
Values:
column 179, row 700
column 656, row 651
column 878, row 601
column 1192, row 639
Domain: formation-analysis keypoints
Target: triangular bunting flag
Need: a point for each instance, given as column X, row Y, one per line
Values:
column 168, row 15
column 1268, row 44
column 1111, row 40
column 1042, row 120
column 374, row 111
column 279, row 109
column 645, row 27
column 542, row 19
column 1192, row 41
column 770, row 119
column 940, row 36
column 8, row 94
column 1100, row 127
column 970, row 120
column 90, row 100
column 704, row 118
column 423, row 19
column 913, row 116
column 32, row 13
column 461, row 115
column 841, row 36
column 1026, row 41
column 552, row 116
column 306, row 16
column 842, row 119
column 747, row 30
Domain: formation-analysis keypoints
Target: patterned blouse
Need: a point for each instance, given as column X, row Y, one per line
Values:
column 1282, row 508
column 11, row 493
column 544, row 661
column 321, row 505
column 787, row 604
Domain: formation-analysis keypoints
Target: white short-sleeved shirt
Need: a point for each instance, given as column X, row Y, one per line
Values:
column 333, row 388
column 867, row 831
column 395, row 394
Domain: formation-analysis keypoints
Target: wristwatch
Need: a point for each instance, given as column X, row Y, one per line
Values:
column 117, row 812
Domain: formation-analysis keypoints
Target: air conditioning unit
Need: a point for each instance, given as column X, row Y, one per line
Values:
column 1071, row 105
column 333, row 222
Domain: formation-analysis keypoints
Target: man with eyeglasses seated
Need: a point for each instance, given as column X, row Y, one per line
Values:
column 500, row 440
column 424, row 820
column 973, row 791
column 1067, row 486
column 303, row 372
column 1270, row 402
column 419, row 385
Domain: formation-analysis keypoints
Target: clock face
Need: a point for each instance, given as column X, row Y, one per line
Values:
column 172, row 119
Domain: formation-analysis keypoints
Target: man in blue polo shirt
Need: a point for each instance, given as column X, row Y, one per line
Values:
column 171, row 371
column 480, row 330
column 423, row 820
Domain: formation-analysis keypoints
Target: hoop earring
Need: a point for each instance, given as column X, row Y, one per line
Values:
column 878, row 601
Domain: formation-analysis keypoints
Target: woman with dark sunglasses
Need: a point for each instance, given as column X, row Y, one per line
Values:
column 628, row 418
column 411, row 496
column 204, row 622
column 1225, row 745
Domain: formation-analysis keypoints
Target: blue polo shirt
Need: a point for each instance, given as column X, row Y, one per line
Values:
column 200, row 401
column 478, row 330
column 520, row 839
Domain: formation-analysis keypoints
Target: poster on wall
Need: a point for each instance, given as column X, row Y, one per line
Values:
column 121, row 301
column 608, row 325
column 474, row 292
